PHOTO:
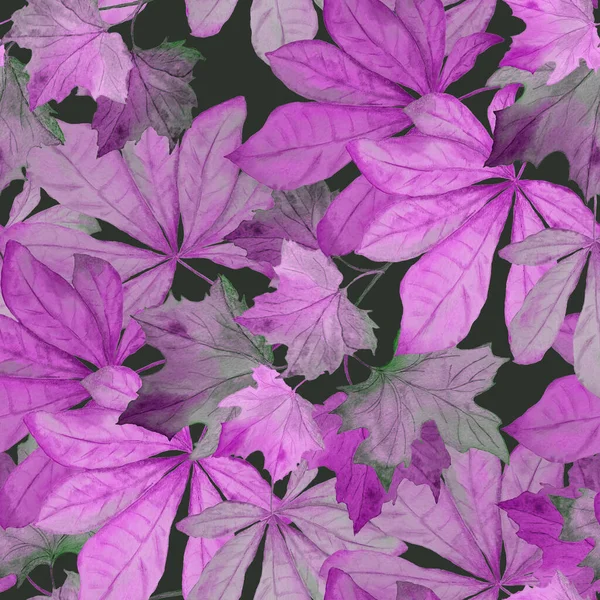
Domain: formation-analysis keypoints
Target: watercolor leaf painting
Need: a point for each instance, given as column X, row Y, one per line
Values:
column 299, row 300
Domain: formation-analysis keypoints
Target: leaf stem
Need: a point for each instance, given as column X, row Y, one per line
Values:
column 347, row 370
column 37, row 587
column 505, row 591
column 595, row 217
column 345, row 262
column 174, row 594
column 366, row 274
column 5, row 22
column 362, row 362
column 183, row 264
column 52, row 577
column 125, row 5
column 479, row 91
column 152, row 365
column 373, row 282
column 301, row 383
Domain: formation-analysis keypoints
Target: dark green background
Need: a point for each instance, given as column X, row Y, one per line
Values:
column 232, row 69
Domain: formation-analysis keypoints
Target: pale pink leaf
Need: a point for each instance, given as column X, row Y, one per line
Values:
column 563, row 344
column 340, row 586
column 560, row 588
column 466, row 18
column 113, row 387
column 207, row 18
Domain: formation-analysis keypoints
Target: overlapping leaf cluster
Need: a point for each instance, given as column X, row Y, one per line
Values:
column 403, row 454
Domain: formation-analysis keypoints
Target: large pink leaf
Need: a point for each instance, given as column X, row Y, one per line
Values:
column 561, row 32
column 278, row 22
column 411, row 226
column 310, row 314
column 467, row 18
column 444, row 292
column 87, row 500
column 535, row 327
column 274, row 419
column 71, row 48
column 284, row 155
column 207, row 18
column 48, row 306
column 26, row 489
column 586, row 341
column 90, row 438
column 320, row 71
column 127, row 556
column 563, row 425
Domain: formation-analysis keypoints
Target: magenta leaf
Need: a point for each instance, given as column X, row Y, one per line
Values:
column 340, row 586
column 158, row 96
column 113, row 387
column 7, row 582
column 283, row 156
column 467, row 18
column 563, row 344
column 189, row 334
column 416, row 384
column 276, row 22
column 551, row 118
column 273, row 419
column 562, row 33
column 562, row 426
column 134, row 542
column 71, row 48
column 25, row 129
column 559, row 587
column 294, row 216
column 207, row 18
column 309, row 314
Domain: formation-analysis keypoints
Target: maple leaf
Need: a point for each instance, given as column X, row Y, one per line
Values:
column 310, row 314
column 121, row 489
column 158, row 96
column 145, row 191
column 465, row 527
column 273, row 419
column 551, row 118
column 208, row 354
column 24, row 128
column 294, row 216
column 51, row 329
column 560, row 32
column 396, row 400
column 355, row 85
column 537, row 324
column 293, row 554
column 71, row 48
column 456, row 225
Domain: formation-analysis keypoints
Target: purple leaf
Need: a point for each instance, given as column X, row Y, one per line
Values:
column 113, row 387
column 7, row 466
column 559, row 587
column 561, row 427
column 551, row 118
column 309, row 314
column 340, row 586
column 26, row 489
column 189, row 334
column 87, row 500
column 503, row 98
column 7, row 582
column 536, row 325
column 444, row 292
column 116, row 15
column 586, row 341
column 295, row 216
column 585, row 473
column 411, row 226
column 414, row 591
column 134, row 542
column 320, row 71
column 158, row 96
column 274, row 419
column 416, row 385
column 285, row 156
column 560, row 32
column 467, row 18
column 563, row 344
column 207, row 18
column 90, row 438
column 277, row 22
column 71, row 48
column 342, row 228
column 24, row 129
column 546, row 246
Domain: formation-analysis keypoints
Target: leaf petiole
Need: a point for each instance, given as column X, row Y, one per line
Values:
column 183, row 264
column 373, row 282
column 124, row 5
column 38, row 588
column 151, row 366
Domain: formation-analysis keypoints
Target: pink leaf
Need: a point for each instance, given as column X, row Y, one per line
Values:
column 562, row 426
column 309, row 314
column 207, row 18
column 284, row 155
column 467, row 18
column 71, row 48
column 134, row 542
column 559, row 587
column 274, row 419
column 340, row 586
column 563, row 344
column 444, row 292
column 113, row 387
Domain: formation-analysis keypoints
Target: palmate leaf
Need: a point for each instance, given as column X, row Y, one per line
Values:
column 412, row 389
column 209, row 357
column 22, row 550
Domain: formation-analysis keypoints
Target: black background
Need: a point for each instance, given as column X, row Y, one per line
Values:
column 232, row 69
